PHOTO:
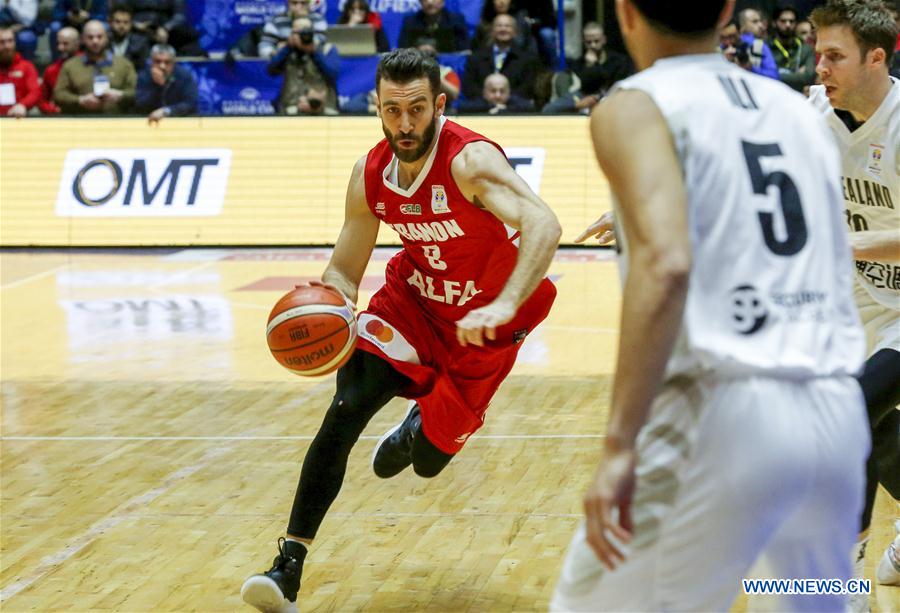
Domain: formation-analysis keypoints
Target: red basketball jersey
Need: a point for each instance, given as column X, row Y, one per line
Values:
column 456, row 257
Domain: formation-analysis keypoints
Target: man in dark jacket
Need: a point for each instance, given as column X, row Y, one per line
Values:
column 434, row 22
column 165, row 89
column 796, row 61
column 520, row 66
column 133, row 47
column 591, row 76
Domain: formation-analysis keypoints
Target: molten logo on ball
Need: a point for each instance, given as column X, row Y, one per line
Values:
column 380, row 331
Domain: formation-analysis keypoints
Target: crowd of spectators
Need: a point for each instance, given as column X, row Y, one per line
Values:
column 121, row 56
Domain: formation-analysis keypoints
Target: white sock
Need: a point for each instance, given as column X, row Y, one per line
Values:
column 293, row 540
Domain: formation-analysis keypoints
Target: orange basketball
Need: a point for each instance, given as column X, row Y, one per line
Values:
column 311, row 331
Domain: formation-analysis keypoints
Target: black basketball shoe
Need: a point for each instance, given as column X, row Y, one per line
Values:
column 275, row 591
column 393, row 452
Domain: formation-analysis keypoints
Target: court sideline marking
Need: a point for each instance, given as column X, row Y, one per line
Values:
column 34, row 277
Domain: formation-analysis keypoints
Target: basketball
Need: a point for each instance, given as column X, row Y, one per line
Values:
column 311, row 331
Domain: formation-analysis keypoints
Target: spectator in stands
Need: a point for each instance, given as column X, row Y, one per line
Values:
column 19, row 88
column 806, row 32
column 165, row 89
column 590, row 77
column 310, row 72
column 732, row 47
column 751, row 27
column 74, row 14
column 357, row 12
column 165, row 22
column 277, row 30
column 520, row 66
column 496, row 99
column 95, row 82
column 20, row 17
column 123, row 42
column 492, row 8
column 450, row 81
column 795, row 60
column 434, row 22
column 67, row 44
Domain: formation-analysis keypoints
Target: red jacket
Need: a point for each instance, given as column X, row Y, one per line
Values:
column 51, row 74
column 24, row 76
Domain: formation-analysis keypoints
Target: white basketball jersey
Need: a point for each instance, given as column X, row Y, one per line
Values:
column 871, row 183
column 770, row 290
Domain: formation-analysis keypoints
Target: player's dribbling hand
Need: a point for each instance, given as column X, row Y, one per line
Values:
column 603, row 229
column 482, row 323
column 612, row 488
column 315, row 283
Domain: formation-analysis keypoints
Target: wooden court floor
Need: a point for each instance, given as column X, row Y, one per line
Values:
column 151, row 446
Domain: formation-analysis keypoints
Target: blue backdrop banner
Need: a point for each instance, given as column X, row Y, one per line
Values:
column 244, row 88
column 222, row 22
column 241, row 88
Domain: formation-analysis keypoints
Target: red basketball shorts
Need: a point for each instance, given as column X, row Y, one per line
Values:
column 452, row 384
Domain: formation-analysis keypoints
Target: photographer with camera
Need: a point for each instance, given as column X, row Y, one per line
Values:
column 310, row 72
column 740, row 46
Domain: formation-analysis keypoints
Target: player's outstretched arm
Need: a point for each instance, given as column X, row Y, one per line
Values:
column 876, row 245
column 652, row 213
column 356, row 240
column 485, row 177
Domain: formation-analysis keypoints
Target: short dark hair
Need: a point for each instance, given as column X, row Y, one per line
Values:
column 871, row 21
column 405, row 65
column 673, row 18
column 120, row 8
column 784, row 8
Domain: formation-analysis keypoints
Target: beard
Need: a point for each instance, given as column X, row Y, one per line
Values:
column 411, row 155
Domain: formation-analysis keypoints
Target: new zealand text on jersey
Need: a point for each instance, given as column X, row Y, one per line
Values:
column 869, row 193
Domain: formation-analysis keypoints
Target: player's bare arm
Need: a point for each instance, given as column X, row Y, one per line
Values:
column 876, row 245
column 357, row 238
column 653, row 215
column 485, row 177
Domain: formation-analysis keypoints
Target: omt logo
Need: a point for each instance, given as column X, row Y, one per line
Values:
column 143, row 182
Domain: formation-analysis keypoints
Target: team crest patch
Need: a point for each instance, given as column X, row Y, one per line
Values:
column 379, row 208
column 876, row 152
column 411, row 209
column 439, row 200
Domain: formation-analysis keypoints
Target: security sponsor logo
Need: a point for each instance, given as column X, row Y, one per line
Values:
column 748, row 313
column 411, row 209
column 143, row 183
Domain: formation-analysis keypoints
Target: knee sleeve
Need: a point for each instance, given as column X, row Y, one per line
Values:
column 886, row 452
column 427, row 460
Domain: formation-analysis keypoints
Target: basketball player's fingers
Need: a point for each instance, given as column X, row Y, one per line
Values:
column 490, row 332
column 596, row 535
column 607, row 237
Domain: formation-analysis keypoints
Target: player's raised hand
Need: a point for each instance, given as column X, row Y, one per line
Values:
column 612, row 488
column 482, row 323
column 603, row 229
